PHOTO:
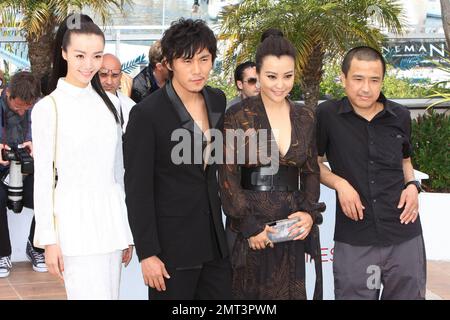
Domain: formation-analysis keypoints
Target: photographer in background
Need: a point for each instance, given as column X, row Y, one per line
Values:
column 152, row 77
column 16, row 102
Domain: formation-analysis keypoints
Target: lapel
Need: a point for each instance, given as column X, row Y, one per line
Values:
column 213, row 111
column 187, row 122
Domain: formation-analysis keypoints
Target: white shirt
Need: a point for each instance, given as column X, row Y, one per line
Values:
column 89, row 205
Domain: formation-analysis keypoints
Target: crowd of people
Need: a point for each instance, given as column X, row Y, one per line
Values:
column 120, row 166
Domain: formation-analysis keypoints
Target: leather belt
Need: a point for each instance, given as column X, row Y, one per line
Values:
column 286, row 179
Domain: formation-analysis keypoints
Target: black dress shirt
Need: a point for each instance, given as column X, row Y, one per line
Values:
column 369, row 155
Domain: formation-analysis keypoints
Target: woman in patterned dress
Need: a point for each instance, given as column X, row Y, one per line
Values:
column 262, row 269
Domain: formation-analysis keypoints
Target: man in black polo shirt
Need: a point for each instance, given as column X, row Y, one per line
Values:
column 366, row 139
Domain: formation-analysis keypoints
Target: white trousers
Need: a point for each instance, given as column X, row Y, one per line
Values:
column 94, row 277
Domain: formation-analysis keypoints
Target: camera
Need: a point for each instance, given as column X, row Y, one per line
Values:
column 21, row 163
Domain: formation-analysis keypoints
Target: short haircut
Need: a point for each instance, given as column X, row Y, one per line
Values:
column 363, row 53
column 239, row 71
column 273, row 43
column 25, row 86
column 155, row 54
column 271, row 32
column 185, row 38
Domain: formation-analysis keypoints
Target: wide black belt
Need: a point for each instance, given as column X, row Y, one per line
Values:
column 285, row 179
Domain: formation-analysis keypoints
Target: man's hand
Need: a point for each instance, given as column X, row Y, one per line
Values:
column 303, row 226
column 349, row 199
column 261, row 240
column 3, row 162
column 410, row 200
column 29, row 146
column 54, row 260
column 154, row 272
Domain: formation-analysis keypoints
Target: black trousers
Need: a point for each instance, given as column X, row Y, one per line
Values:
column 5, row 243
column 209, row 281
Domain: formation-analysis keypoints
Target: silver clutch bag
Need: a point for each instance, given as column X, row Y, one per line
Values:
column 282, row 226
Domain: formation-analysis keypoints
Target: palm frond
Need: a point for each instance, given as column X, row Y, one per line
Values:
column 319, row 29
column 129, row 66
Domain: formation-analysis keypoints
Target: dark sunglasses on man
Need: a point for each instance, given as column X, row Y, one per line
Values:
column 251, row 81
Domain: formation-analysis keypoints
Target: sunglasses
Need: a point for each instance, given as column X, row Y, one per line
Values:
column 104, row 72
column 251, row 81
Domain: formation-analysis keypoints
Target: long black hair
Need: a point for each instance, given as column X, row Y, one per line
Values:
column 89, row 28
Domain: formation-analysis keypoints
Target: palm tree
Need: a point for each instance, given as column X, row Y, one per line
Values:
column 38, row 19
column 445, row 11
column 317, row 28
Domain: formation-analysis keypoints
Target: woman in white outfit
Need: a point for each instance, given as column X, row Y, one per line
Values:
column 84, row 226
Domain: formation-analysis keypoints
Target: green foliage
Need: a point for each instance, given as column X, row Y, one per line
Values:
column 39, row 16
column 296, row 93
column 315, row 27
column 431, row 138
column 224, row 84
column 431, row 143
column 393, row 87
column 441, row 89
column 331, row 86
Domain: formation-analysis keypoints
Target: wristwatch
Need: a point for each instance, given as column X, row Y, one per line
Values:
column 416, row 183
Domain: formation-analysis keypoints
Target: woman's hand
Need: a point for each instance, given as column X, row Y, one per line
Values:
column 127, row 254
column 54, row 260
column 303, row 226
column 261, row 240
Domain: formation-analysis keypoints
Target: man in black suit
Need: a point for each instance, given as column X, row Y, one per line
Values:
column 174, row 208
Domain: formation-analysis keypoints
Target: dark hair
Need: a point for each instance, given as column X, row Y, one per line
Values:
column 25, row 86
column 185, row 38
column 91, row 28
column 271, row 32
column 239, row 71
column 273, row 44
column 364, row 53
column 59, row 68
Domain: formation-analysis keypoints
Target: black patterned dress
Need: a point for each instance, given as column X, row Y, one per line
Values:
column 279, row 272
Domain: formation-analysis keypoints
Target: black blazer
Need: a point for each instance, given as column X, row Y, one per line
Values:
column 174, row 210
